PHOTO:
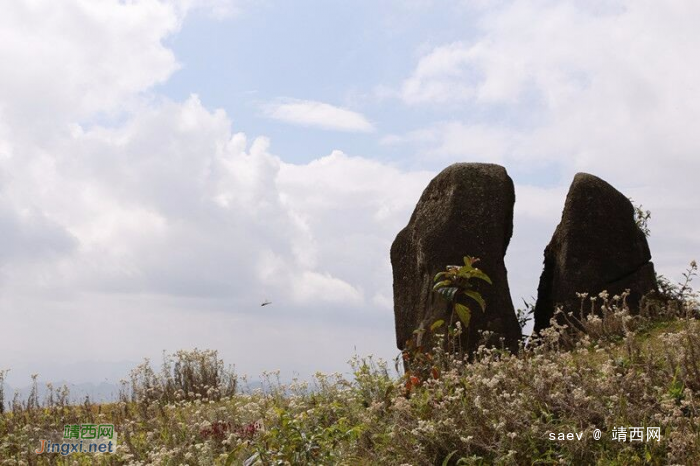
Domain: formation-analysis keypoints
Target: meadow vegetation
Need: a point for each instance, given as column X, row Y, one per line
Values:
column 589, row 371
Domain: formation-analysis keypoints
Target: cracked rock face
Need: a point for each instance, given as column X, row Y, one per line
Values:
column 467, row 209
column 597, row 246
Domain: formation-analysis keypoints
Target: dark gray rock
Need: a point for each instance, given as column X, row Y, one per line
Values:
column 466, row 210
column 597, row 246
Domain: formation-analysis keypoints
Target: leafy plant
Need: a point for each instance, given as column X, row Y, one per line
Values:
column 421, row 361
column 641, row 218
column 525, row 314
column 681, row 293
column 456, row 281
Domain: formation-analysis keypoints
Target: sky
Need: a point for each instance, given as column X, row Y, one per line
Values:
column 168, row 165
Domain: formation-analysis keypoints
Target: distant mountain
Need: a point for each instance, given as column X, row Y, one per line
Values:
column 103, row 392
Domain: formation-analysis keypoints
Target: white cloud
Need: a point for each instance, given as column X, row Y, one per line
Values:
column 173, row 214
column 313, row 288
column 455, row 141
column 218, row 9
column 163, row 228
column 523, row 46
column 441, row 76
column 319, row 115
column 79, row 57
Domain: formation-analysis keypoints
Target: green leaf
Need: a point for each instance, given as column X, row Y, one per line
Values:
column 477, row 273
column 463, row 313
column 234, row 454
column 476, row 296
column 437, row 324
column 446, row 461
column 440, row 274
column 441, row 284
column 448, row 292
column 467, row 263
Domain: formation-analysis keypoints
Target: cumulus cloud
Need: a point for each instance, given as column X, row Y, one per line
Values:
column 73, row 59
column 78, row 59
column 590, row 76
column 30, row 236
column 173, row 205
column 174, row 215
column 441, row 76
column 173, row 202
column 319, row 115
column 132, row 223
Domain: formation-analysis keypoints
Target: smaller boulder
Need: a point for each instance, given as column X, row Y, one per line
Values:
column 597, row 246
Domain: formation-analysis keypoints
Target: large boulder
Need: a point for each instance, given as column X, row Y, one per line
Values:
column 597, row 246
column 466, row 210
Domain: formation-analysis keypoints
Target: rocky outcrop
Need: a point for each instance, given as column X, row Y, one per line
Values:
column 597, row 246
column 466, row 210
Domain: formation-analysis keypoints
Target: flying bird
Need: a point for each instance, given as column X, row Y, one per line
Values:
column 265, row 303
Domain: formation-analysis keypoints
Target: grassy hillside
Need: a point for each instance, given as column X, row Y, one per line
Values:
column 499, row 408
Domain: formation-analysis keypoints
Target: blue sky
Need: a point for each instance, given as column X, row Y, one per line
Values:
column 166, row 165
column 333, row 52
column 348, row 55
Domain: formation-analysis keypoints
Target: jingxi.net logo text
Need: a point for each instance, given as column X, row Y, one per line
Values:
column 82, row 438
